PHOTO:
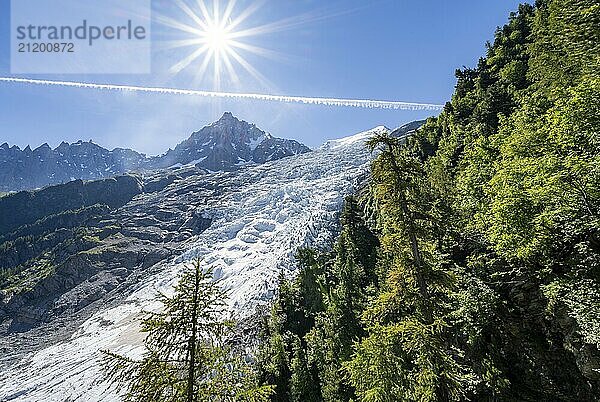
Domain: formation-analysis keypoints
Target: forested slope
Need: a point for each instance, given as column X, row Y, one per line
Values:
column 470, row 267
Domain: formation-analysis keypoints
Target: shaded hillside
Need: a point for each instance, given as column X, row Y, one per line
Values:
column 27, row 207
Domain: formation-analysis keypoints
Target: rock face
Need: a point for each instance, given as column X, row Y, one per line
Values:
column 407, row 129
column 226, row 144
column 27, row 207
column 79, row 278
column 28, row 169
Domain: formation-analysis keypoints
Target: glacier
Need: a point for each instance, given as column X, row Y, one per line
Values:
column 254, row 232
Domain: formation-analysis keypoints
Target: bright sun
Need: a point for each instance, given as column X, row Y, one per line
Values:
column 217, row 38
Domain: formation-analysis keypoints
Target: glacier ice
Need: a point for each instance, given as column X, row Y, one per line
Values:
column 255, row 231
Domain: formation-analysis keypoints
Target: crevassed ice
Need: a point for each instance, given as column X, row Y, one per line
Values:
column 253, row 237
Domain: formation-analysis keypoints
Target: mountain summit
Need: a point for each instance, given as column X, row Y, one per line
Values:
column 227, row 144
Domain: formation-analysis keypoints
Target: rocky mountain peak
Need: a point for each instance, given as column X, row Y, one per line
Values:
column 230, row 128
column 44, row 147
column 228, row 116
column 227, row 144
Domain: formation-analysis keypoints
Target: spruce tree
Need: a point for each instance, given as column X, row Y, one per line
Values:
column 407, row 354
column 188, row 354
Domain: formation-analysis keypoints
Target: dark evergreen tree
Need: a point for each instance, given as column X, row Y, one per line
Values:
column 316, row 317
column 188, row 354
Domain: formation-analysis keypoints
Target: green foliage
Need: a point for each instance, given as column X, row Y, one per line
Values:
column 406, row 361
column 484, row 280
column 317, row 316
column 302, row 388
column 188, row 355
column 407, row 354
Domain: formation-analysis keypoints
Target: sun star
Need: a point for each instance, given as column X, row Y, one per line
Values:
column 217, row 39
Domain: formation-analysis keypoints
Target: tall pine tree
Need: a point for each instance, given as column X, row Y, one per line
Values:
column 188, row 353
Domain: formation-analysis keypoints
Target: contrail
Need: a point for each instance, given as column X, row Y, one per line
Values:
column 360, row 103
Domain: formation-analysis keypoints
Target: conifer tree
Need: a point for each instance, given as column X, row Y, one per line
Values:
column 352, row 280
column 188, row 354
column 406, row 355
column 316, row 317
column 302, row 386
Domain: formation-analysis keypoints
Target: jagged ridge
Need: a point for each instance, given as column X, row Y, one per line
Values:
column 227, row 144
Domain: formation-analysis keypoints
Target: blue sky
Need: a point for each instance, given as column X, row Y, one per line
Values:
column 388, row 49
